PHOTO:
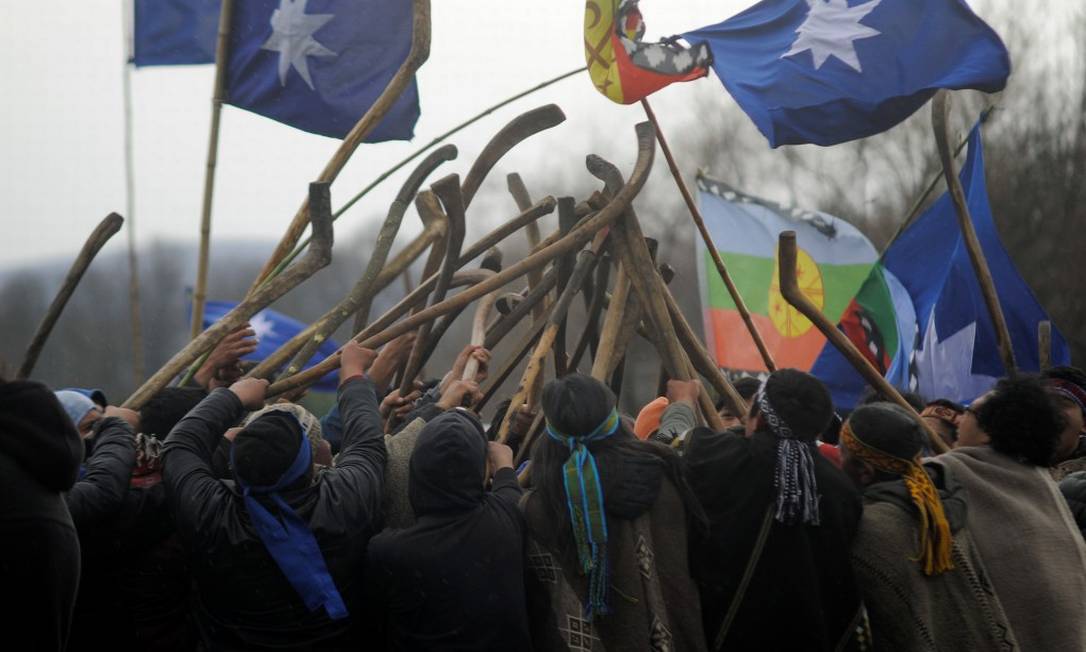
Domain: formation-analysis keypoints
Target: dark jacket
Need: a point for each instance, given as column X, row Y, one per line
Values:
column 103, row 486
column 803, row 594
column 1073, row 488
column 244, row 600
column 455, row 579
column 40, row 452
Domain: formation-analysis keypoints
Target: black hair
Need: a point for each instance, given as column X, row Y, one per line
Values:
column 167, row 407
column 873, row 395
column 801, row 400
column 266, row 448
column 1022, row 421
column 889, row 428
column 1072, row 375
column 747, row 387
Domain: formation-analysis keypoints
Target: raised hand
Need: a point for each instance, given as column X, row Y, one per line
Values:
column 251, row 392
column 389, row 359
column 460, row 393
column 221, row 367
column 354, row 360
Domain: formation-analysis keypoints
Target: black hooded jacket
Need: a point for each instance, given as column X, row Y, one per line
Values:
column 244, row 599
column 103, row 488
column 40, row 452
column 455, row 579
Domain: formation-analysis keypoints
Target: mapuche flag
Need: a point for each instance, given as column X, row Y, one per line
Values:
column 174, row 32
column 833, row 260
column 624, row 68
column 921, row 318
column 318, row 65
column 828, row 71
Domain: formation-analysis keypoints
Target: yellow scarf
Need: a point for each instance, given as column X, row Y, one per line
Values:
column 935, row 537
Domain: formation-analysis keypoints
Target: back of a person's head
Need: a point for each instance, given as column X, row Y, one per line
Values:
column 448, row 464
column 37, row 434
column 576, row 404
column 266, row 448
column 746, row 387
column 1072, row 375
column 1021, row 419
column 167, row 407
column 872, row 395
column 801, row 400
column 889, row 428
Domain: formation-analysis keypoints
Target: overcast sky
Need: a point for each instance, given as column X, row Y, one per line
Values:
column 61, row 120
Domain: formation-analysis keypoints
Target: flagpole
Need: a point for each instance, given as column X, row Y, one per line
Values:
column 940, row 119
column 134, row 312
column 914, row 210
column 199, row 296
column 721, row 269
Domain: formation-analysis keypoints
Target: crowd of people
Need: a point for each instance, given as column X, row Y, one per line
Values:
column 215, row 519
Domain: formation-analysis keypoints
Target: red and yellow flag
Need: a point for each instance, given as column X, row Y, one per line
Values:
column 621, row 66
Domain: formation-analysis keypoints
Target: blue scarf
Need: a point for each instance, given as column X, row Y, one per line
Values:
column 290, row 542
column 584, row 498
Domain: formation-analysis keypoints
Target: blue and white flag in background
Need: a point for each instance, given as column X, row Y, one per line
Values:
column 274, row 329
column 318, row 65
column 174, row 32
column 829, row 71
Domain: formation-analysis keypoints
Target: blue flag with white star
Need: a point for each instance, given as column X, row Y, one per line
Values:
column 933, row 313
column 174, row 32
column 318, row 65
column 829, row 71
column 273, row 330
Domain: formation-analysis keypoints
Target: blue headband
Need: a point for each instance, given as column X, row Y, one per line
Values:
column 290, row 542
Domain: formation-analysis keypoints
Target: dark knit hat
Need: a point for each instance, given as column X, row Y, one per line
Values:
column 266, row 448
column 576, row 403
column 889, row 428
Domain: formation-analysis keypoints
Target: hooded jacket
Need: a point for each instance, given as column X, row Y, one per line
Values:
column 40, row 452
column 244, row 601
column 455, row 579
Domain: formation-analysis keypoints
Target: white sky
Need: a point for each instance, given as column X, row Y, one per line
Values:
column 61, row 121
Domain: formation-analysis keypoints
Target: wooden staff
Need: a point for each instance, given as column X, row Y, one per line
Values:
column 416, row 57
column 590, row 335
column 360, row 298
column 1044, row 344
column 792, row 293
column 520, row 349
column 526, row 392
column 317, row 257
column 714, row 253
column 218, row 96
column 522, row 198
column 434, row 228
column 940, row 114
column 517, row 131
column 576, row 239
column 101, row 234
column 526, row 305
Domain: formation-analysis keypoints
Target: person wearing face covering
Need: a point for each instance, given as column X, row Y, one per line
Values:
column 40, row 452
column 455, row 579
column 276, row 553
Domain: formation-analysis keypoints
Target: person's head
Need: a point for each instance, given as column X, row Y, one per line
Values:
column 883, row 427
column 746, row 386
column 1067, row 385
column 311, row 426
column 83, row 412
column 943, row 415
column 1021, row 420
column 273, row 451
column 799, row 399
column 448, row 466
column 970, row 432
column 168, row 406
column 874, row 396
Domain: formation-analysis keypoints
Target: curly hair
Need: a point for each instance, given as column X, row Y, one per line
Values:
column 1066, row 373
column 1022, row 420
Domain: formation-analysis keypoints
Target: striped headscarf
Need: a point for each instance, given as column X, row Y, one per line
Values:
column 935, row 537
column 584, row 499
column 794, row 476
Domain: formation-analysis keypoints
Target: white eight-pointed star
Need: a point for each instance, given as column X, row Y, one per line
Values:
column 830, row 29
column 262, row 326
column 292, row 38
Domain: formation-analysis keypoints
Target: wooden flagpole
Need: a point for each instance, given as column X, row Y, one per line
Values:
column 721, row 269
column 199, row 296
column 134, row 311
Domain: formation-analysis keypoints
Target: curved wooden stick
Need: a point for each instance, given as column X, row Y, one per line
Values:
column 416, row 57
column 940, row 113
column 576, row 239
column 317, row 257
column 517, row 131
column 101, row 234
column 786, row 255
column 520, row 195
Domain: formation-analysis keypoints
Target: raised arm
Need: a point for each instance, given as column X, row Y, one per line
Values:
column 101, row 490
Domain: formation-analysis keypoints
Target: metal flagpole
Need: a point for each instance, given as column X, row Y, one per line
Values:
column 199, row 296
column 135, row 314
